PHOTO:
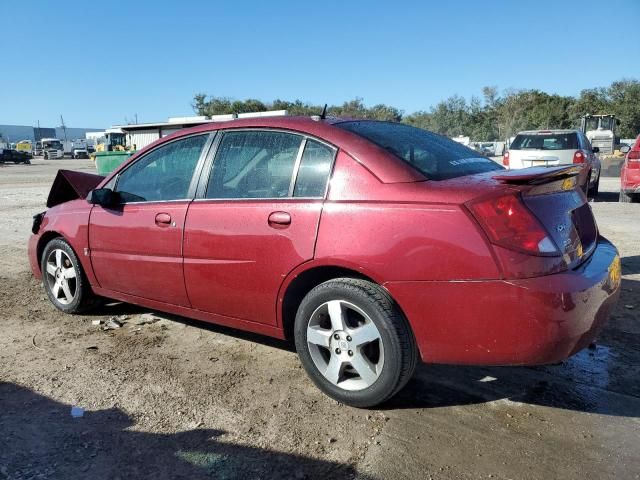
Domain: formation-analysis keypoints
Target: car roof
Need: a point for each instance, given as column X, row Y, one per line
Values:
column 547, row 132
column 384, row 165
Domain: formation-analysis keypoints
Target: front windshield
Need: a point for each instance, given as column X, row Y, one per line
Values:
column 591, row 123
column 55, row 145
column 435, row 156
column 606, row 123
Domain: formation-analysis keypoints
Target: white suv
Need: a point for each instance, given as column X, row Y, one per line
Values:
column 550, row 148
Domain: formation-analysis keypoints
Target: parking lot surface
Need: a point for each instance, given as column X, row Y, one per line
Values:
column 167, row 397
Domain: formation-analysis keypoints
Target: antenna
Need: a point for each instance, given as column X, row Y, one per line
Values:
column 323, row 115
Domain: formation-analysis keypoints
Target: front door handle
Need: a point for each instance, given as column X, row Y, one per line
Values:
column 279, row 219
column 163, row 219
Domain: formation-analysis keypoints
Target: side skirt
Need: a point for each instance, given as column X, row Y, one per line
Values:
column 193, row 313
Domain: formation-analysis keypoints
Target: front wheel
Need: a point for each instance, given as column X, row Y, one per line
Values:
column 354, row 342
column 63, row 278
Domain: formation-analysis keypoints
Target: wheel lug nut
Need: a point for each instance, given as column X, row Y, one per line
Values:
column 348, row 338
column 336, row 336
column 338, row 351
column 351, row 353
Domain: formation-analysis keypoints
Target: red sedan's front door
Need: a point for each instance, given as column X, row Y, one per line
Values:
column 137, row 250
column 136, row 246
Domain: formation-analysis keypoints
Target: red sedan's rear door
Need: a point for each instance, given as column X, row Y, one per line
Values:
column 256, row 221
column 136, row 245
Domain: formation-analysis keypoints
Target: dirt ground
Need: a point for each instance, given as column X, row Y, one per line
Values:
column 166, row 397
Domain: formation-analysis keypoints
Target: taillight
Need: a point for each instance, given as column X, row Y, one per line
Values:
column 578, row 157
column 508, row 223
column 505, row 159
column 633, row 159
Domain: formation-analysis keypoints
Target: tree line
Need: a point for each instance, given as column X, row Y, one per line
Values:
column 493, row 116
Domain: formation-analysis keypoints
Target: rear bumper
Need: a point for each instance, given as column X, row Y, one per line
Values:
column 630, row 180
column 520, row 322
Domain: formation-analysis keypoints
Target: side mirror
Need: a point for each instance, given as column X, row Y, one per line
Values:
column 595, row 149
column 105, row 197
column 625, row 149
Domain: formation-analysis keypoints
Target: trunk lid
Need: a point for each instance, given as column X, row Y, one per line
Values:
column 540, row 158
column 560, row 206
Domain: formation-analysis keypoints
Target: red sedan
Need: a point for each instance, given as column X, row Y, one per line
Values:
column 370, row 244
column 630, row 173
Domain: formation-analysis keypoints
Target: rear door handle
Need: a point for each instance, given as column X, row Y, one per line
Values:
column 163, row 219
column 279, row 219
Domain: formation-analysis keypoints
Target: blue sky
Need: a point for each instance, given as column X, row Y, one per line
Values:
column 98, row 63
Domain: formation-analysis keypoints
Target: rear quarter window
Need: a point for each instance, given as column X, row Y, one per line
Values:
column 435, row 156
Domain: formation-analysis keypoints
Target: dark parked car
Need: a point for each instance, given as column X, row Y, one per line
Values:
column 373, row 245
column 14, row 156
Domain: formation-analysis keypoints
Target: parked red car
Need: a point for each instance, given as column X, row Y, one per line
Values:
column 371, row 244
column 630, row 173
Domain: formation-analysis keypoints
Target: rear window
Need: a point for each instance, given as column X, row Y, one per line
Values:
column 435, row 156
column 542, row 141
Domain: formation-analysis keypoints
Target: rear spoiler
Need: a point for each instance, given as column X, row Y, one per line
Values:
column 537, row 175
column 69, row 185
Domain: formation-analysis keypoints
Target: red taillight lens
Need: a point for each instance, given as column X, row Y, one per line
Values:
column 578, row 157
column 505, row 159
column 508, row 223
column 633, row 159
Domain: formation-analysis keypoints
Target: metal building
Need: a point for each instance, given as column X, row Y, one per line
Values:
column 140, row 135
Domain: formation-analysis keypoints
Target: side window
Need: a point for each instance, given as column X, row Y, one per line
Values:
column 254, row 164
column 314, row 170
column 164, row 174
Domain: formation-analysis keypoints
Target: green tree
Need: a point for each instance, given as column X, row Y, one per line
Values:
column 495, row 116
column 625, row 102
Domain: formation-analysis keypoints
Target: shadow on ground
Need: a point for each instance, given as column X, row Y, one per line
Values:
column 604, row 380
column 607, row 197
column 39, row 438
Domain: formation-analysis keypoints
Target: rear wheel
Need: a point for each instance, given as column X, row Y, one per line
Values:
column 63, row 278
column 354, row 342
column 593, row 191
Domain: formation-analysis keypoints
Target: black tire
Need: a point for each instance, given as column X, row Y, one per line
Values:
column 82, row 297
column 399, row 346
column 624, row 198
column 593, row 192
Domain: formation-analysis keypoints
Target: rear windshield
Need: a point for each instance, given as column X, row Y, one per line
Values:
column 435, row 156
column 544, row 141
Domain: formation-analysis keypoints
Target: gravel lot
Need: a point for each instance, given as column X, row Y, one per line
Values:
column 175, row 398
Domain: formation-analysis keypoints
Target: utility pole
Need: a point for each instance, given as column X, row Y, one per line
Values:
column 64, row 128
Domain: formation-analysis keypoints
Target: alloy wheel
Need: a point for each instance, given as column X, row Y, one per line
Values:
column 61, row 276
column 345, row 345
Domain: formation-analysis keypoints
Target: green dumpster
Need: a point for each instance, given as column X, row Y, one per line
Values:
column 107, row 162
